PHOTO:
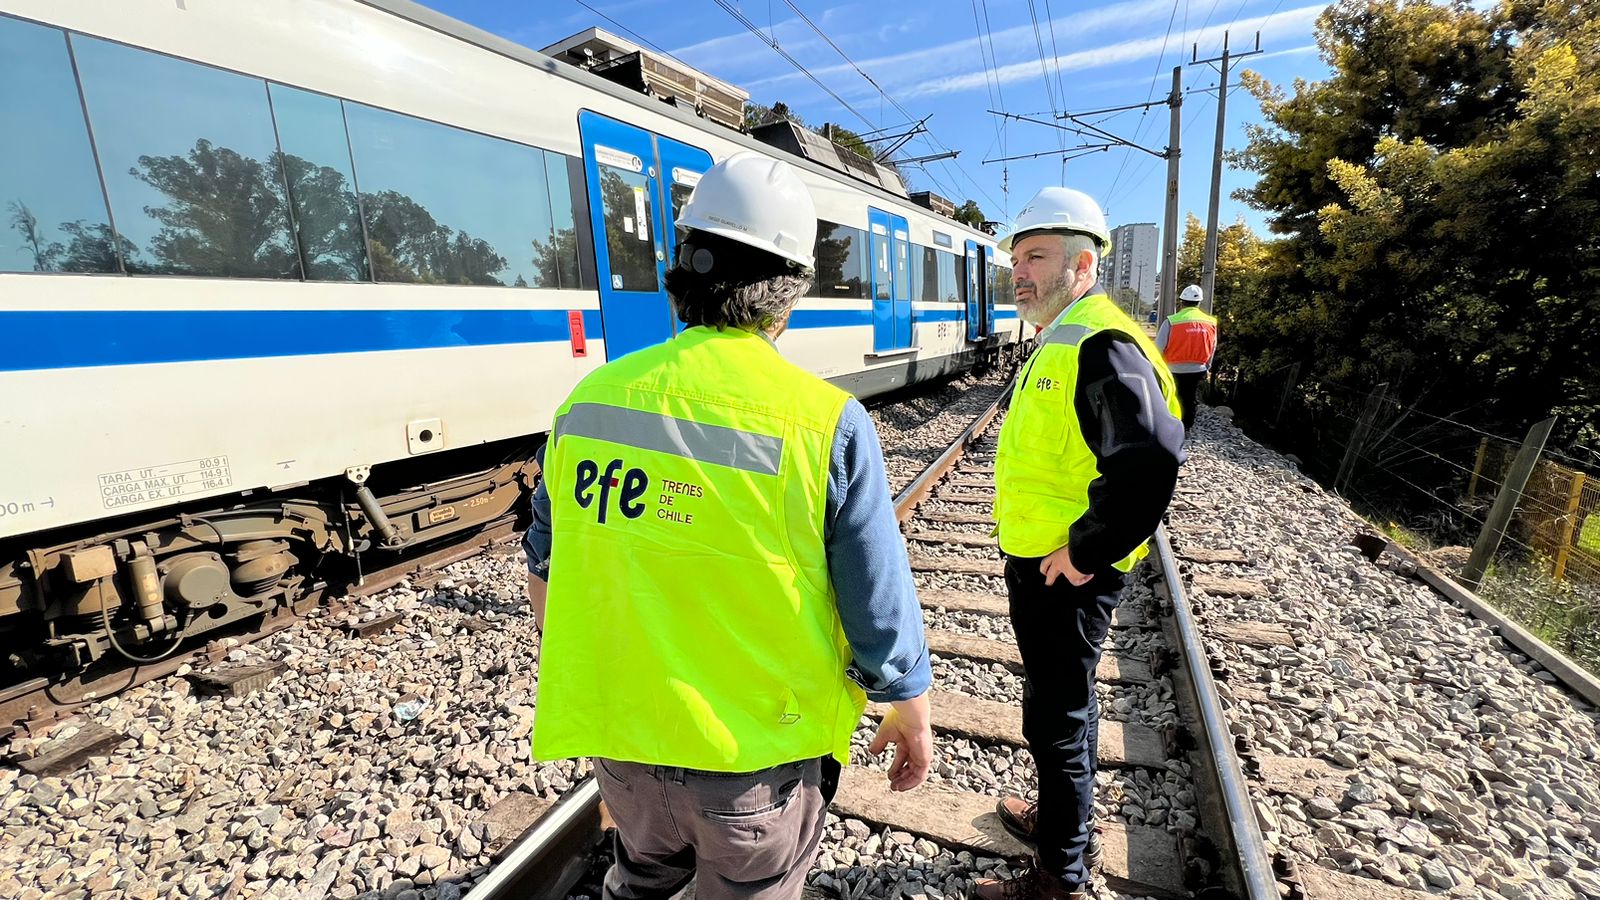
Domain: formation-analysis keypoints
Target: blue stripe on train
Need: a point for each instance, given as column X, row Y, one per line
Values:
column 72, row 339
column 64, row 339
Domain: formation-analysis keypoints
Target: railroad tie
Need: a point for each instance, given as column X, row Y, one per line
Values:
column 1226, row 587
column 1121, row 744
column 986, row 484
column 236, row 680
column 1141, row 861
column 1317, row 883
column 975, row 498
column 1112, row 670
column 512, row 816
column 948, row 518
column 69, row 754
column 1125, row 616
column 1253, row 634
column 952, row 565
column 1213, row 555
column 957, row 538
column 1301, row 777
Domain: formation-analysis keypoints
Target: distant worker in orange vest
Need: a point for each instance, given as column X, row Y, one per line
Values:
column 1188, row 340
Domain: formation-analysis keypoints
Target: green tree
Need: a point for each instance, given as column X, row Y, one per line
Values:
column 225, row 214
column 1439, row 210
column 968, row 213
column 1240, row 257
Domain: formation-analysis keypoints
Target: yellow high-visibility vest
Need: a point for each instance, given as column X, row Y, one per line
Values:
column 1043, row 466
column 691, row 620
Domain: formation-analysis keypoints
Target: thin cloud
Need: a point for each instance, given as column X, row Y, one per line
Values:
column 914, row 65
column 1285, row 22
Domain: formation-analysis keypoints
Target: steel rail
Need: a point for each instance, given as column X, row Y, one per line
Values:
column 1255, row 863
column 539, row 865
column 551, row 857
column 905, row 502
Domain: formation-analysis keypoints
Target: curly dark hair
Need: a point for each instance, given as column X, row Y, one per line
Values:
column 723, row 283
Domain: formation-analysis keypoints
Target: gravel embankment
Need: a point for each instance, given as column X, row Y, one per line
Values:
column 1468, row 772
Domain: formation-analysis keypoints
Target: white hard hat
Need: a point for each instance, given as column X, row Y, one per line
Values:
column 757, row 201
column 1060, row 209
column 1192, row 294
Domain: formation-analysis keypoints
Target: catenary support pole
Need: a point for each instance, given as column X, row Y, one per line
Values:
column 1169, row 234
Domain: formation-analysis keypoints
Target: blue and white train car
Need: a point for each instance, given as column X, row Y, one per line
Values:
column 283, row 283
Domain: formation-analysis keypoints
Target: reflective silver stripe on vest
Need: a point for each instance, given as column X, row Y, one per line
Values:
column 1068, row 334
column 718, row 444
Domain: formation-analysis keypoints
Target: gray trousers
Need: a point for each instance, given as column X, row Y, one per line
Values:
column 738, row 835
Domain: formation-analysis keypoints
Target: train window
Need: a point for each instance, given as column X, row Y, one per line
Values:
column 680, row 196
column 929, row 282
column 446, row 206
column 841, row 253
column 949, row 284
column 625, row 199
column 902, row 262
column 54, row 215
column 562, row 249
column 1002, row 286
column 190, row 164
column 881, row 283
column 322, row 197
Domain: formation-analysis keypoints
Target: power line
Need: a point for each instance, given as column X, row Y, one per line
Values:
column 631, row 33
column 756, row 30
column 1139, row 131
column 938, row 144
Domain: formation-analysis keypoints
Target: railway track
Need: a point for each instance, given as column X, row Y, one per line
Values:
column 1203, row 753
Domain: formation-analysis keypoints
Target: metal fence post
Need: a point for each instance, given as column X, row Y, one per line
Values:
column 1570, row 529
column 1505, row 503
column 1358, row 436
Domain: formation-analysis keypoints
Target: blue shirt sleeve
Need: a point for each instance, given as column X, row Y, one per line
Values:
column 867, row 563
column 536, row 540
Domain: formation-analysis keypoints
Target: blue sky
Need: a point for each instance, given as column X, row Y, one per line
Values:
column 928, row 57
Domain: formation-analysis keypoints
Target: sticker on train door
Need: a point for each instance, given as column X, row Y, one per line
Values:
column 639, row 215
column 580, row 344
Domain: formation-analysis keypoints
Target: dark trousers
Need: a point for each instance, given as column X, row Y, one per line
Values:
column 1060, row 630
column 1188, row 384
column 740, row 836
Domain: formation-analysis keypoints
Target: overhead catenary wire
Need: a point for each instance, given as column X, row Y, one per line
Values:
column 1154, row 79
column 938, row 144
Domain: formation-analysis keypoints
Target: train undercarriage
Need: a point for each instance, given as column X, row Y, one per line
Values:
column 139, row 588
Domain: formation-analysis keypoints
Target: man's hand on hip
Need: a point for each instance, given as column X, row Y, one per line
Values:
column 908, row 725
column 1060, row 563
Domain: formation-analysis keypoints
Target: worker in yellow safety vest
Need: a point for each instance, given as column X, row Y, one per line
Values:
column 1188, row 341
column 1087, row 462
column 718, row 572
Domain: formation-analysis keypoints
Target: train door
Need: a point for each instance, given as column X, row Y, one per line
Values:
column 888, row 239
column 900, row 249
column 989, row 284
column 631, row 232
column 976, row 293
column 681, row 168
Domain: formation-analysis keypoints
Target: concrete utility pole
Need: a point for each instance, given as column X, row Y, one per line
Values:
column 1208, row 275
column 1168, row 299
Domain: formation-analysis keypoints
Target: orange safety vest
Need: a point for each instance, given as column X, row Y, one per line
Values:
column 1191, row 337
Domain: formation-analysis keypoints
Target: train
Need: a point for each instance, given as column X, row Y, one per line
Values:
column 291, row 291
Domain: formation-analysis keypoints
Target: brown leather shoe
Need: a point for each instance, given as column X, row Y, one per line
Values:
column 1019, row 817
column 1029, row 884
